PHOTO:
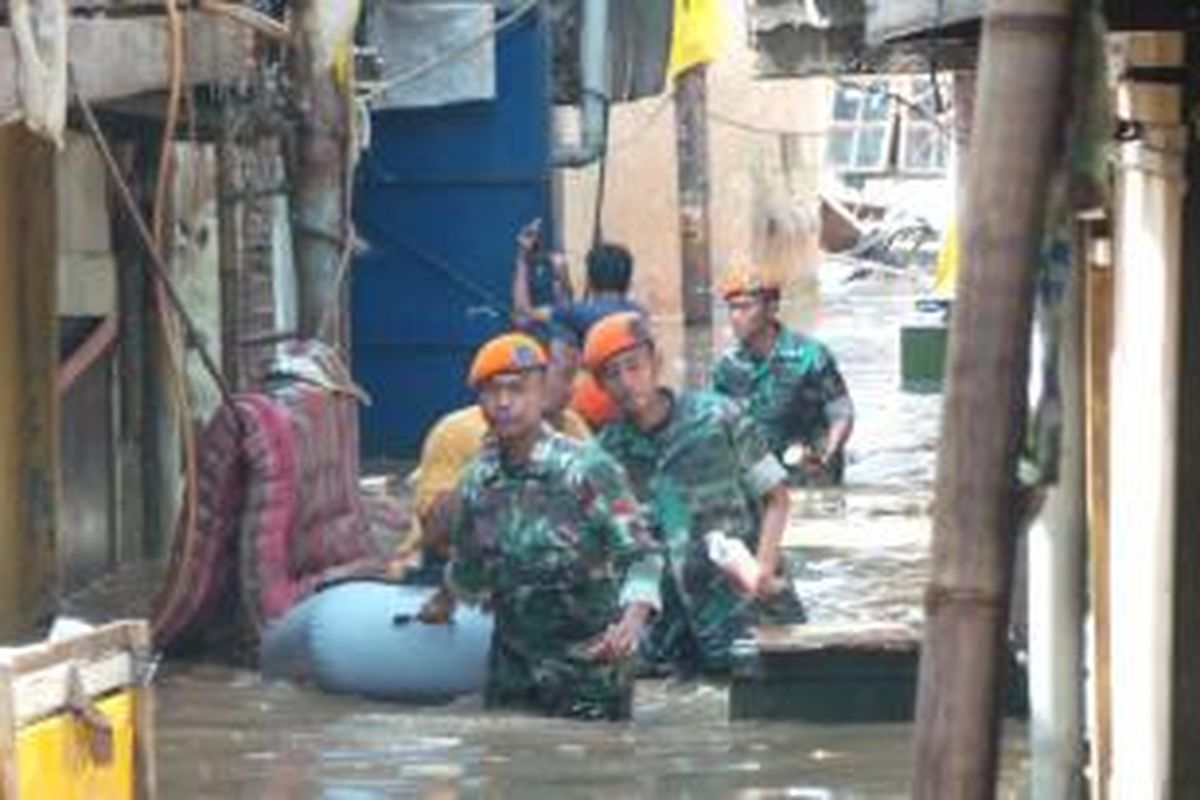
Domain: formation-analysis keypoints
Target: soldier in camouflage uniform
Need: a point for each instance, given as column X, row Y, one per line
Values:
column 549, row 533
column 789, row 383
column 699, row 465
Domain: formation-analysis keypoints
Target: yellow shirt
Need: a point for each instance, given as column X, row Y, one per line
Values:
column 454, row 441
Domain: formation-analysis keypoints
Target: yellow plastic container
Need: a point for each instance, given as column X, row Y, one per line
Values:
column 74, row 723
column 55, row 758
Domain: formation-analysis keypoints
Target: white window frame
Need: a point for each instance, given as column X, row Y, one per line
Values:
column 939, row 125
column 859, row 126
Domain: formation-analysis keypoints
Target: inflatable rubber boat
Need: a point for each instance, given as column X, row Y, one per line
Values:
column 362, row 637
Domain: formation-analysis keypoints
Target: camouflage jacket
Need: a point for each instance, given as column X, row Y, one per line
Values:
column 559, row 546
column 706, row 469
column 795, row 393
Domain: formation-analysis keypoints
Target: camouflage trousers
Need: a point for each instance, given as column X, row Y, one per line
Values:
column 696, row 635
column 558, row 684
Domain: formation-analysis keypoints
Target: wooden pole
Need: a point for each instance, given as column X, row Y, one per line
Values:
column 319, row 165
column 1021, row 96
column 29, row 474
column 691, row 142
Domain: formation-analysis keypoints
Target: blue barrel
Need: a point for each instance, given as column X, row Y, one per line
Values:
column 362, row 637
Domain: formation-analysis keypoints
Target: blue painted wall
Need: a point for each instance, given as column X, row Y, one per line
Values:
column 441, row 195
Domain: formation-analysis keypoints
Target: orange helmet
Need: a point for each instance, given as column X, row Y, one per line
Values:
column 614, row 334
column 591, row 402
column 742, row 280
column 510, row 352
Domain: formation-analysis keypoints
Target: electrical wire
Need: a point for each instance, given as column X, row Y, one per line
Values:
column 749, row 127
column 175, row 348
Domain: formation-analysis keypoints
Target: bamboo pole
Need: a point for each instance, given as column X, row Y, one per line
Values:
column 1017, row 126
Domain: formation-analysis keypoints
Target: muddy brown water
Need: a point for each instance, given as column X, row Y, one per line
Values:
column 860, row 554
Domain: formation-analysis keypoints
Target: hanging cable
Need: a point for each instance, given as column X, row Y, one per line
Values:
column 175, row 348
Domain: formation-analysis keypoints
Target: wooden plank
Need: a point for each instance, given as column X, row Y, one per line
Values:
column 117, row 636
column 807, row 638
column 8, row 738
column 48, row 691
column 145, row 742
column 122, row 57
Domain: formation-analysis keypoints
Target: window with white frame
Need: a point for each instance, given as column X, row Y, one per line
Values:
column 860, row 138
column 925, row 128
column 890, row 124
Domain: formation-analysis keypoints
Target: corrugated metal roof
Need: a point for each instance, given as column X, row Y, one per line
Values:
column 814, row 37
column 888, row 20
column 768, row 15
column 807, row 37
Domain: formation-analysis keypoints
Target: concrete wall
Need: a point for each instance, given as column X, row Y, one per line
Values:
column 85, row 256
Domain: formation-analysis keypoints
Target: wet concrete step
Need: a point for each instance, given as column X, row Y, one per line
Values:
column 857, row 672
column 826, row 673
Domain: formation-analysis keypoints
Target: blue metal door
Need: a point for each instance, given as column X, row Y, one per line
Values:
column 441, row 195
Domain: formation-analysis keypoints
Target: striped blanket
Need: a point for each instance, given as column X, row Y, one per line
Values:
column 279, row 514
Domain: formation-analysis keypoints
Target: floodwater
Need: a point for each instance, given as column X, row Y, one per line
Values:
column 860, row 554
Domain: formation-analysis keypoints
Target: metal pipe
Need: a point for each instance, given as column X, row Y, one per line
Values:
column 594, row 99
